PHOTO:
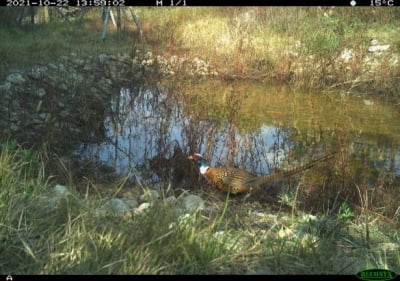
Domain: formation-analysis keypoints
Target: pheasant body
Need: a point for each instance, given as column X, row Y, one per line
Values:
column 241, row 181
column 230, row 179
column 226, row 179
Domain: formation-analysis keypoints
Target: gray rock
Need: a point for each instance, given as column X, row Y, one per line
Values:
column 192, row 203
column 41, row 92
column 124, row 57
column 93, row 90
column 53, row 66
column 15, row 105
column 5, row 87
column 14, row 127
column 79, row 61
column 64, row 113
column 14, row 116
column 15, row 78
column 170, row 200
column 118, row 206
column 64, row 58
column 131, row 202
column 63, row 86
column 40, row 72
column 150, row 195
column 43, row 116
column 103, row 58
column 61, row 67
column 87, row 67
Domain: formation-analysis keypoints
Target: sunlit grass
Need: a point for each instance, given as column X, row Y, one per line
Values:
column 74, row 235
column 42, row 43
column 300, row 45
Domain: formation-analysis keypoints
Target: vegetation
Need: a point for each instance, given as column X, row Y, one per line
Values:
column 309, row 46
column 354, row 201
column 74, row 235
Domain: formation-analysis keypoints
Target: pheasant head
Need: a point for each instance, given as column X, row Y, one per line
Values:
column 201, row 163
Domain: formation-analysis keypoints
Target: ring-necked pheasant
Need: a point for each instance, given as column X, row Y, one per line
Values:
column 236, row 181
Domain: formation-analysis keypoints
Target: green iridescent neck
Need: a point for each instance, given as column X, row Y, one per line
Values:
column 202, row 165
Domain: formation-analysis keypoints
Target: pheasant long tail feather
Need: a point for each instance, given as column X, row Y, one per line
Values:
column 257, row 181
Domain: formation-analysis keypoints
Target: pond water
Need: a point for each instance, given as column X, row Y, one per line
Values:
column 251, row 125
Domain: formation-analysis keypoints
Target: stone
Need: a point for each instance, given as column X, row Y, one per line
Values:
column 170, row 200
column 368, row 102
column 87, row 67
column 150, row 195
column 374, row 42
column 14, row 127
column 131, row 202
column 64, row 113
column 15, row 78
column 41, row 92
column 193, row 203
column 347, row 55
column 103, row 58
column 118, row 206
column 63, row 58
column 42, row 116
column 39, row 72
column 378, row 48
column 5, row 87
column 61, row 67
column 60, row 191
column 143, row 207
column 53, row 66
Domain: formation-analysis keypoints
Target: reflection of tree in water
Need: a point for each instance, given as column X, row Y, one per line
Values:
column 158, row 127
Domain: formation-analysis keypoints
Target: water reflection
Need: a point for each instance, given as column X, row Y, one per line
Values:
column 249, row 125
column 144, row 125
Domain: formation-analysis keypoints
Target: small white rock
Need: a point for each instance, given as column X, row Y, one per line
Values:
column 61, row 190
column 378, row 48
column 142, row 208
column 192, row 203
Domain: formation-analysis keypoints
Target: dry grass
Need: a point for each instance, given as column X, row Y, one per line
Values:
column 75, row 235
column 302, row 46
